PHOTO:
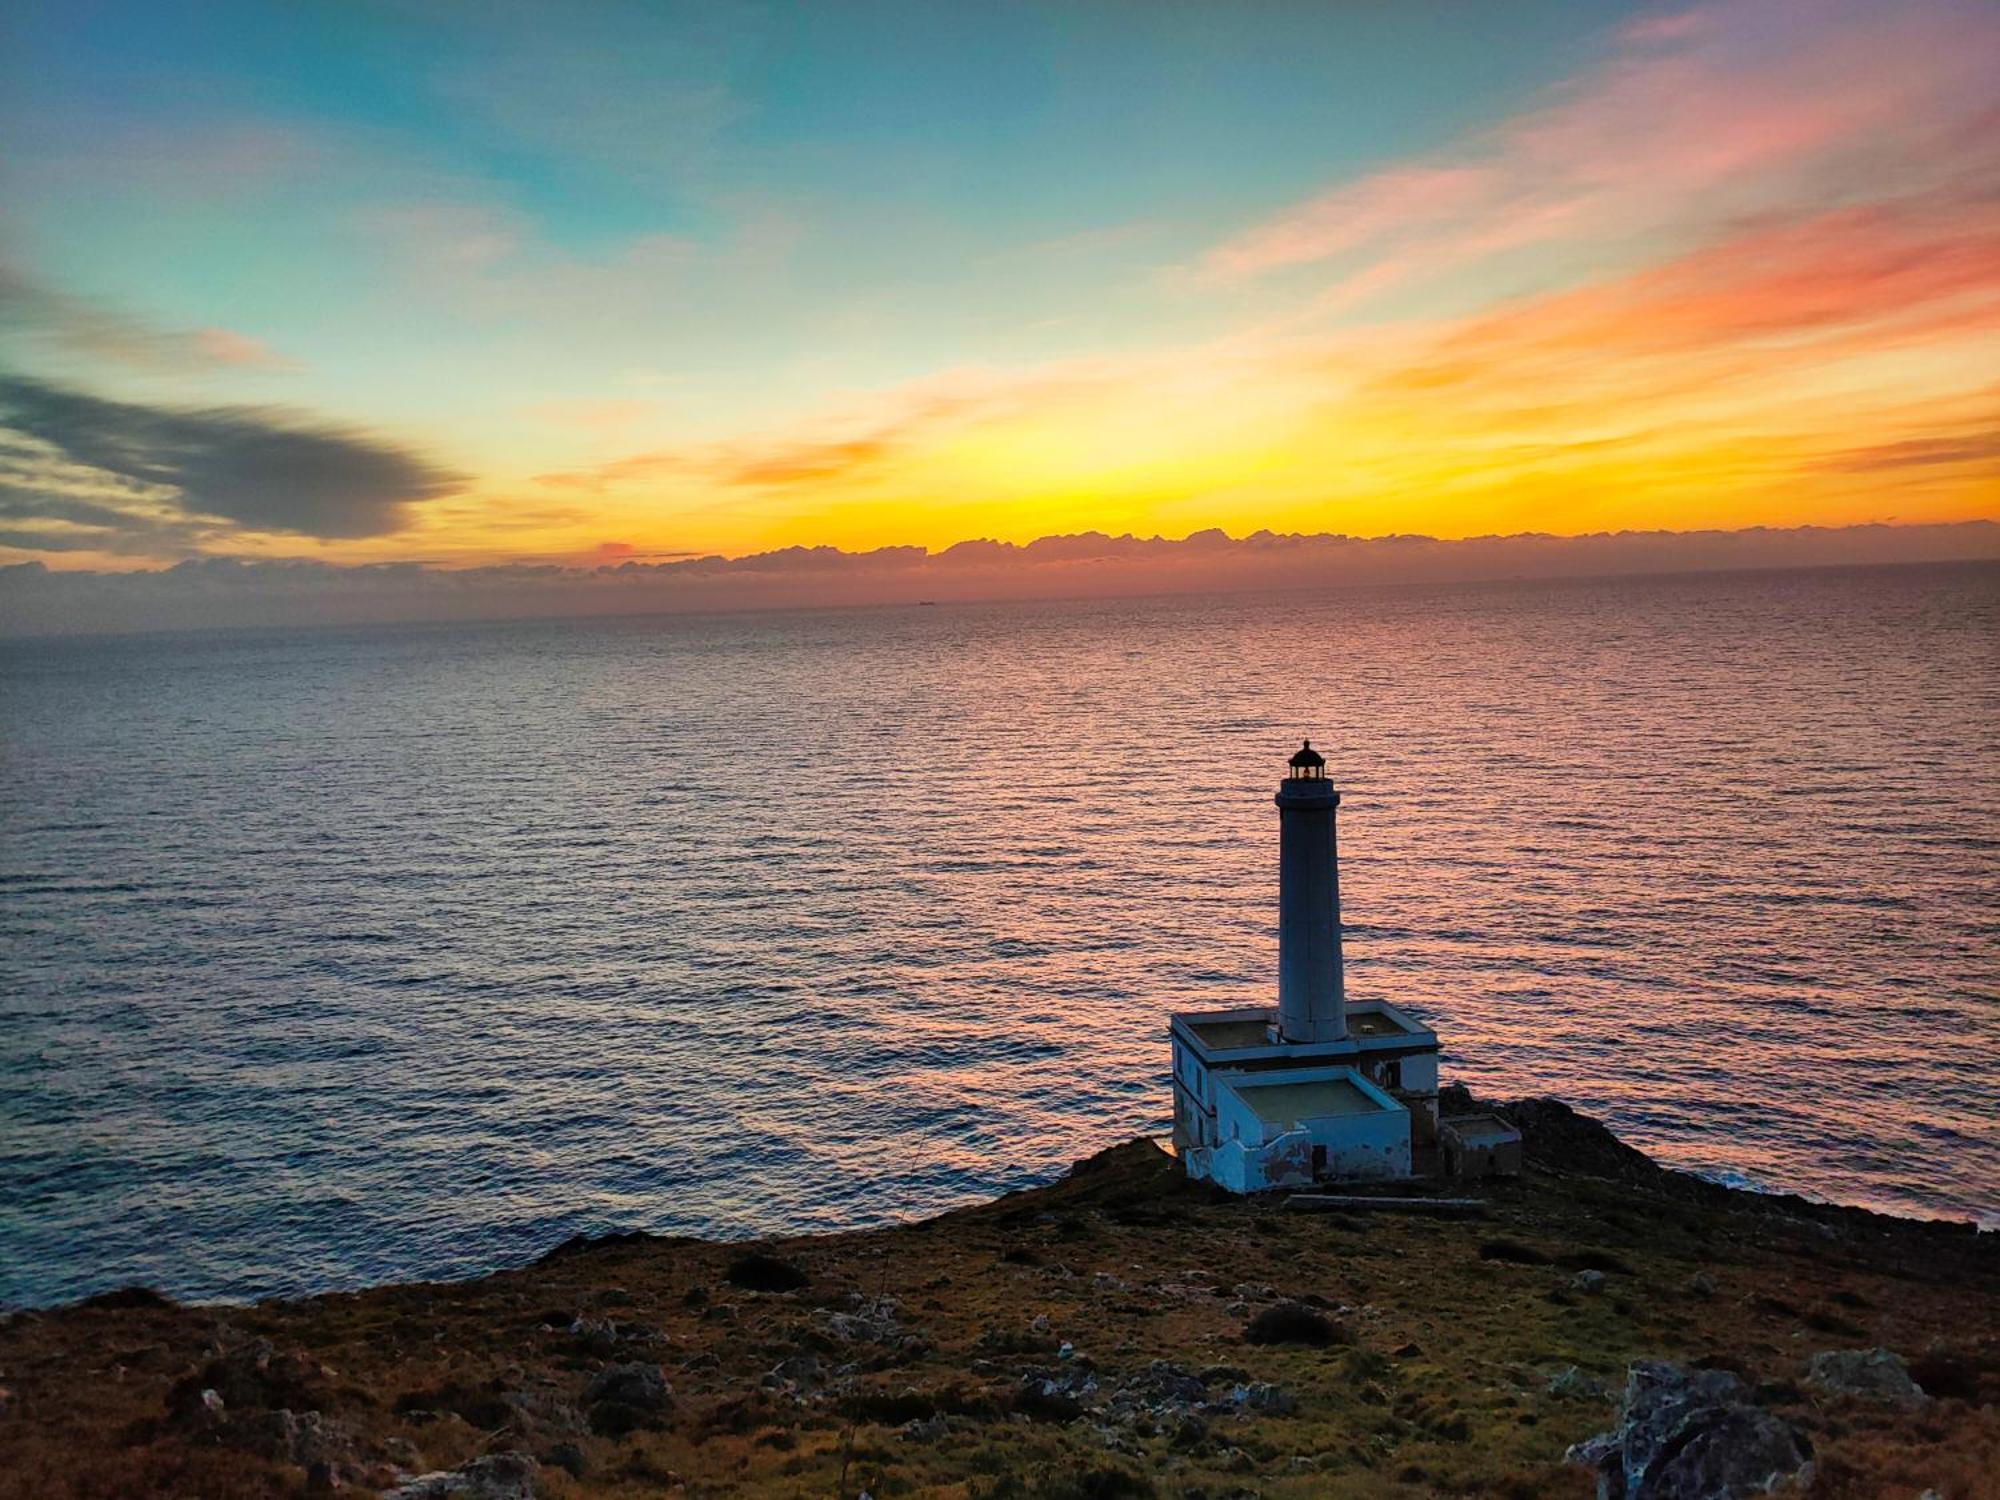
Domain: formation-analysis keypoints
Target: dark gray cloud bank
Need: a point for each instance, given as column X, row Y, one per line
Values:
column 118, row 476
column 35, row 600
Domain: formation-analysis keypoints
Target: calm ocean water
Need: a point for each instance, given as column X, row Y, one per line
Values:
column 340, row 956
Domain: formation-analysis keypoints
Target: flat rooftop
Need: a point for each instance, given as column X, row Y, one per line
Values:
column 1244, row 1029
column 1226, row 1036
column 1283, row 1103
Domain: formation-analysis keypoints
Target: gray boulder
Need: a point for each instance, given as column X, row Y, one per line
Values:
column 622, row 1398
column 497, row 1476
column 1691, row 1435
column 1875, row 1374
column 1262, row 1396
column 1570, row 1383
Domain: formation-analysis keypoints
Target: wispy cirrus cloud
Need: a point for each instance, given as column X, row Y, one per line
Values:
column 34, row 311
column 1976, row 446
column 1697, row 119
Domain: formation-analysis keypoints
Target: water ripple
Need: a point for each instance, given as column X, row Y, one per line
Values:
column 338, row 957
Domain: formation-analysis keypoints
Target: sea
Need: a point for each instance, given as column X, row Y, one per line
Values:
column 336, row 956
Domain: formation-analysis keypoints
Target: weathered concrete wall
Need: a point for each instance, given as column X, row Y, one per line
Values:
column 1253, row 1155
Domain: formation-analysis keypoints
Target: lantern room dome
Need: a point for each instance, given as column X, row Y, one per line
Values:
column 1307, row 763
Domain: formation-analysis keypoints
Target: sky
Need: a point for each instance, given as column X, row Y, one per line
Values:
column 536, row 284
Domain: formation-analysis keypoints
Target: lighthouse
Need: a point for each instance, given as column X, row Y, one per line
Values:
column 1312, row 990
column 1316, row 1088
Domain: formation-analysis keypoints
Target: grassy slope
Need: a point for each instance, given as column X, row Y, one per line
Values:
column 1438, row 1385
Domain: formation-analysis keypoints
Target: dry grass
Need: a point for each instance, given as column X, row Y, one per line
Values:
column 1435, row 1382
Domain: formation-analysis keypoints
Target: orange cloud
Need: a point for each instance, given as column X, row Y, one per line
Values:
column 1715, row 387
column 812, row 463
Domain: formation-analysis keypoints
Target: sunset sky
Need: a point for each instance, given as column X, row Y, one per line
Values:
column 508, row 281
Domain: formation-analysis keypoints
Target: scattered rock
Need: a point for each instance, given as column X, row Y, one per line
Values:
column 306, row 1438
column 602, row 1336
column 1162, row 1388
column 1263, row 1396
column 1691, row 1435
column 1590, row 1283
column 1876, row 1374
column 1701, row 1285
column 1570, row 1383
column 1556, row 1138
column 1049, row 1396
column 797, row 1375
column 855, row 1319
column 622, row 1398
column 765, row 1273
column 1292, row 1323
column 497, row 1476
column 251, row 1375
column 539, row 1417
column 927, row 1430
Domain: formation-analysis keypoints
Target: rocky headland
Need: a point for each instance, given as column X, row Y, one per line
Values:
column 1600, row 1326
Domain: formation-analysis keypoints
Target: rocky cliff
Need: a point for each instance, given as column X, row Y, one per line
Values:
column 1120, row 1332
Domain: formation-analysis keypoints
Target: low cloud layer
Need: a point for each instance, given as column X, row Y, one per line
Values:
column 35, row 600
column 106, row 475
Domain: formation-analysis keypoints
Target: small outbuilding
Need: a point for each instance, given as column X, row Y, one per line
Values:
column 1482, row 1145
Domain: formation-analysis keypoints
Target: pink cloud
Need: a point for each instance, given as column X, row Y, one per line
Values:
column 1697, row 119
column 1352, row 216
column 224, row 346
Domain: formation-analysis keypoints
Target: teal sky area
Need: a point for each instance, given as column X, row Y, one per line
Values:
column 416, row 200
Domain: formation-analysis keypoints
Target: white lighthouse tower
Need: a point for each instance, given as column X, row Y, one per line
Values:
column 1314, row 1088
column 1312, row 988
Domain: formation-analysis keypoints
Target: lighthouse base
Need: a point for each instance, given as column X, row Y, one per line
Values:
column 1253, row 1112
